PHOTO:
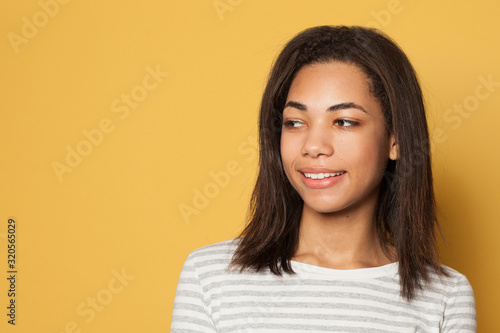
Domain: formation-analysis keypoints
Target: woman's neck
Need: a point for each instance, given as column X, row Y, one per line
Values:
column 343, row 240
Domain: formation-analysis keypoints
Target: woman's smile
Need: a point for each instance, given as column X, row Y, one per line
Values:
column 322, row 180
column 318, row 177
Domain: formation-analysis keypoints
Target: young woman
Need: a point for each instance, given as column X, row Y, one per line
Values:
column 342, row 218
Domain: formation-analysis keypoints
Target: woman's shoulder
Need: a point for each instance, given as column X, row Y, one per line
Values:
column 458, row 299
column 450, row 276
column 219, row 248
column 451, row 283
column 218, row 254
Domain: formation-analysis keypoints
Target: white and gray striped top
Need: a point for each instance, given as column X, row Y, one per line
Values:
column 211, row 299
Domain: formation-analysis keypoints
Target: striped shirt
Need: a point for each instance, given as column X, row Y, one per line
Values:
column 210, row 298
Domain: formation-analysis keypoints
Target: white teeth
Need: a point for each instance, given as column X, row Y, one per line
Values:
column 322, row 175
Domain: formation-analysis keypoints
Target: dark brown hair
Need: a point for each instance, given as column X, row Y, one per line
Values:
column 406, row 217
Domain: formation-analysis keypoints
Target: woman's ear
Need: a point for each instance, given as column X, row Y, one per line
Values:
column 394, row 148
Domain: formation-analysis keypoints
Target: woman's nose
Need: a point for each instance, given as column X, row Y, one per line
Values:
column 318, row 141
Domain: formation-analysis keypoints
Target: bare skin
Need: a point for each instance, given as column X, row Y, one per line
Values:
column 341, row 242
column 335, row 128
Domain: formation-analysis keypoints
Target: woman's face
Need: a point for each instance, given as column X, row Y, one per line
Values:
column 334, row 143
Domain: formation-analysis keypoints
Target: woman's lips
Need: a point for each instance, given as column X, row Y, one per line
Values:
column 320, row 178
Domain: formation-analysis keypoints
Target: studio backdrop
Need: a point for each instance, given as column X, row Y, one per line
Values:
column 129, row 138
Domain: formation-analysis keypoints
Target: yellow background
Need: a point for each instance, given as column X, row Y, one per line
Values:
column 119, row 210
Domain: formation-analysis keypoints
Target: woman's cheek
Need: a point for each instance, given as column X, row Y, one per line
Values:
column 286, row 159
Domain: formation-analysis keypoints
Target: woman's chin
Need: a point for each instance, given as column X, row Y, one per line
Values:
column 324, row 207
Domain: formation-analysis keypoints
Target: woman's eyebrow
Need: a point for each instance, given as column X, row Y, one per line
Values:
column 336, row 107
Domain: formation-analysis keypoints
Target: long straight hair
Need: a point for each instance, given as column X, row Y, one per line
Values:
column 406, row 217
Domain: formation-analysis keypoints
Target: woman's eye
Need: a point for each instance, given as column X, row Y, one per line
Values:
column 346, row 123
column 293, row 123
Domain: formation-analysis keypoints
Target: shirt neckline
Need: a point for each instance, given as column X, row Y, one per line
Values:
column 371, row 272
